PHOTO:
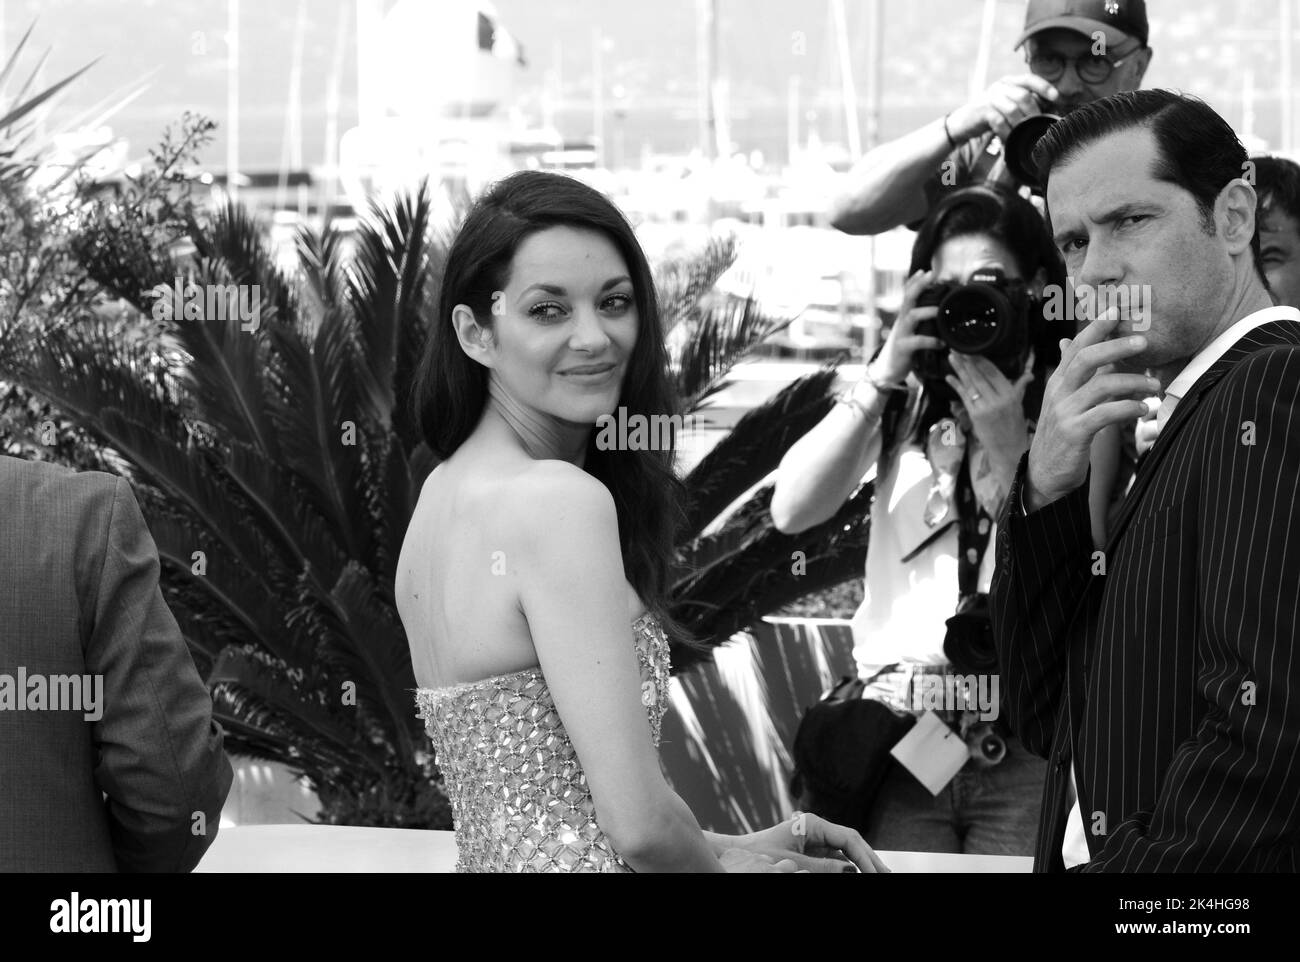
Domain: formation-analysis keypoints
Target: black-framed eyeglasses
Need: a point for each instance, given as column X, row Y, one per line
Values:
column 1092, row 68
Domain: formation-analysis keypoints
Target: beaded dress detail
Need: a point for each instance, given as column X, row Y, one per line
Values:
column 518, row 795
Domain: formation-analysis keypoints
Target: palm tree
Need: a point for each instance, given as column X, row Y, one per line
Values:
column 278, row 467
column 40, row 284
column 734, row 567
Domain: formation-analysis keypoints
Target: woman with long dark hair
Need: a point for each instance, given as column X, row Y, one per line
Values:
column 533, row 578
column 943, row 430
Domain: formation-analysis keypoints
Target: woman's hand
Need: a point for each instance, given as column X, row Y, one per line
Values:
column 814, row 845
column 744, row 860
column 895, row 358
column 994, row 404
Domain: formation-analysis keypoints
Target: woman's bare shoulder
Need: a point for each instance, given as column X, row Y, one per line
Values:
column 550, row 497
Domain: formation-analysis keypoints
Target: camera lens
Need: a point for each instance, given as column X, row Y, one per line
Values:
column 971, row 320
column 1019, row 149
column 993, row 748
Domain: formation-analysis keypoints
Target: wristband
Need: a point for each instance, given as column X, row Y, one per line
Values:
column 947, row 133
column 847, row 397
column 881, row 385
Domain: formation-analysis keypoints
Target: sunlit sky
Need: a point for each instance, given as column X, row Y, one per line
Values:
column 1217, row 50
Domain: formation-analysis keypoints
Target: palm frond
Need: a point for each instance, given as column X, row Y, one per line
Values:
column 682, row 282
column 231, row 234
column 314, row 406
column 754, row 447
column 387, row 283
column 223, row 379
column 769, row 571
column 709, row 348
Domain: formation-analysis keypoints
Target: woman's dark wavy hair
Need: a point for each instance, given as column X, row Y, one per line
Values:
column 986, row 210
column 450, row 389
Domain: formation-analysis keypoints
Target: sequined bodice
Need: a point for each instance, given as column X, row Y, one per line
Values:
column 519, row 797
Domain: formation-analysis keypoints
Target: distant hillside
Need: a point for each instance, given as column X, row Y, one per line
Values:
column 651, row 54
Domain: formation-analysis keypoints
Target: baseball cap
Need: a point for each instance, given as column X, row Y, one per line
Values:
column 1116, row 19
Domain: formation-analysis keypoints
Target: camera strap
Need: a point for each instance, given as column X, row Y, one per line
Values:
column 974, row 526
column 969, row 536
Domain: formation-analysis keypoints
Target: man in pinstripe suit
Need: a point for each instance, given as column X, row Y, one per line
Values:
column 1160, row 675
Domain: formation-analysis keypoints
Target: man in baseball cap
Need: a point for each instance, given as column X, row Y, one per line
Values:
column 1117, row 20
column 1077, row 51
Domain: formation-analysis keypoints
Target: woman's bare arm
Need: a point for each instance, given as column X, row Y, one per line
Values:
column 574, row 597
column 823, row 467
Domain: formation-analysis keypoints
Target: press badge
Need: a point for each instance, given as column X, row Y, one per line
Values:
column 932, row 752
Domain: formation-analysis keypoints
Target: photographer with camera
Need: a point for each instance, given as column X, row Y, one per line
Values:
column 943, row 412
column 1077, row 51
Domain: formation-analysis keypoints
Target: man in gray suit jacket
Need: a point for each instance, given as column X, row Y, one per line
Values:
column 109, row 757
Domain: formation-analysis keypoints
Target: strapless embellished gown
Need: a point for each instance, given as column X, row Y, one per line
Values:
column 518, row 794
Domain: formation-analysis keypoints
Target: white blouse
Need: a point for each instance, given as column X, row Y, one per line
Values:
column 904, row 606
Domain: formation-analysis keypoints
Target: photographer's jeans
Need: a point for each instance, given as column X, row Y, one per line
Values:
column 982, row 811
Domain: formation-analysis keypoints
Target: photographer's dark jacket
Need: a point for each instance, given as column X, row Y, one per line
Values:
column 1171, row 681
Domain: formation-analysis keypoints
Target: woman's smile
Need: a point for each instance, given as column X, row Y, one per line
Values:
column 591, row 375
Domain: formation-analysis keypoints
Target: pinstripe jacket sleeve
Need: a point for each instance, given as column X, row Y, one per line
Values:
column 1041, row 580
column 1232, row 790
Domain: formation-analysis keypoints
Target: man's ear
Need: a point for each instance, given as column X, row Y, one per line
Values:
column 1235, row 212
column 1037, row 283
column 475, row 339
column 1143, row 61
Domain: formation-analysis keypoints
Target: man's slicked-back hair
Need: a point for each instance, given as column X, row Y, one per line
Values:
column 1197, row 150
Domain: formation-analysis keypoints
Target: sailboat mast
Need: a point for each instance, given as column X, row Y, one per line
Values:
column 232, row 98
column 706, row 66
column 849, row 92
column 291, row 145
column 1287, row 41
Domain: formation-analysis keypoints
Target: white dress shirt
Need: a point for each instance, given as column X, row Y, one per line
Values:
column 1074, row 850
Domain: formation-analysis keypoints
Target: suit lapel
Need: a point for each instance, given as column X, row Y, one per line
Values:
column 1265, row 335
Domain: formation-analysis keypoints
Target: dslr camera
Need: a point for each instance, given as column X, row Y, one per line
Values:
column 989, row 316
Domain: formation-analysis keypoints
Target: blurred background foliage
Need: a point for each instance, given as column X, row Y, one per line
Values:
column 278, row 466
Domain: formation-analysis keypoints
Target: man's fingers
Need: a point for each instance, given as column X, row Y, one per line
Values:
column 1026, row 104
column 1113, row 412
column 1094, row 332
column 786, row 865
column 1002, row 116
column 1111, row 387
column 1086, row 362
column 1035, row 83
